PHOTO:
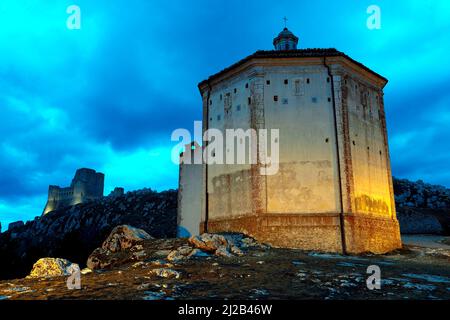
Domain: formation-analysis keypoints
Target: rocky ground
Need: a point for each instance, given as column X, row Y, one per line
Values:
column 236, row 267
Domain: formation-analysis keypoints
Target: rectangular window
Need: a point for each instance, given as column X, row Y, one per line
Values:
column 227, row 103
column 267, row 82
column 286, row 81
column 298, row 87
column 275, row 98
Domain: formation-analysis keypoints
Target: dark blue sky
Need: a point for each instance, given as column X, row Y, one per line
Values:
column 109, row 95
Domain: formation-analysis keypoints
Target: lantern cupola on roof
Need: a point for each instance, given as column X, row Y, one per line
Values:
column 285, row 40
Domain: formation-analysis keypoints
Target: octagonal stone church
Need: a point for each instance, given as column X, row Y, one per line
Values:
column 333, row 190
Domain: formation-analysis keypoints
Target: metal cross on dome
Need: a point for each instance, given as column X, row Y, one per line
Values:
column 285, row 21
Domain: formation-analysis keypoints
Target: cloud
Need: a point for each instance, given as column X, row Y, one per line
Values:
column 25, row 209
column 418, row 128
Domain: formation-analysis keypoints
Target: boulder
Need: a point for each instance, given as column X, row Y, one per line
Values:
column 162, row 253
column 223, row 252
column 251, row 243
column 166, row 273
column 197, row 253
column 208, row 242
column 96, row 260
column 222, row 245
column 105, row 259
column 86, row 271
column 51, row 267
column 99, row 259
column 180, row 254
column 236, row 251
column 124, row 237
column 157, row 262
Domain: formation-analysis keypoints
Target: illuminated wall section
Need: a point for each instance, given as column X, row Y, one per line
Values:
column 370, row 222
column 297, row 101
column 368, row 151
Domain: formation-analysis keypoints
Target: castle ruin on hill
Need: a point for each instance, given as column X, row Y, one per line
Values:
column 87, row 185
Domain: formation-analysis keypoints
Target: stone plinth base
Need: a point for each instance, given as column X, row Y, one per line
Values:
column 319, row 232
column 307, row 232
column 369, row 234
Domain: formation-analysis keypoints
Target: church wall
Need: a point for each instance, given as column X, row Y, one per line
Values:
column 370, row 222
column 307, row 180
column 229, row 185
column 369, row 154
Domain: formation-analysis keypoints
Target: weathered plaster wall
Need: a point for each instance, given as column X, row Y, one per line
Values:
column 307, row 179
column 306, row 182
column 369, row 220
column 371, row 177
column 190, row 194
column 229, row 185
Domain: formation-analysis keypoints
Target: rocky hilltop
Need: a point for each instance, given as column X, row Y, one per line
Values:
column 74, row 232
column 422, row 207
column 420, row 195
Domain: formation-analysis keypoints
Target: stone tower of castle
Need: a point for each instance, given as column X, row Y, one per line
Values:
column 87, row 185
column 333, row 190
